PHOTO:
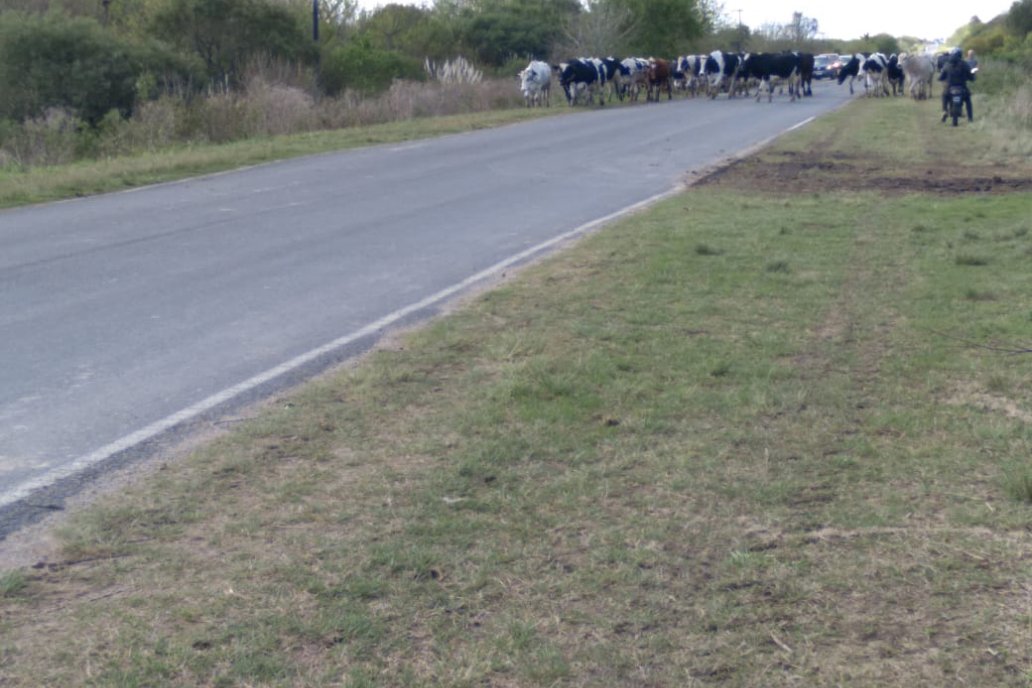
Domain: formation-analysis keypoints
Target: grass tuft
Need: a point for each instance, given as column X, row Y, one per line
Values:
column 12, row 583
column 1018, row 482
column 707, row 250
column 971, row 260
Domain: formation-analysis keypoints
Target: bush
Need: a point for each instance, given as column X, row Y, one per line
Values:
column 56, row 61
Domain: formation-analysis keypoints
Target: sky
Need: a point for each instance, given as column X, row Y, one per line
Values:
column 846, row 20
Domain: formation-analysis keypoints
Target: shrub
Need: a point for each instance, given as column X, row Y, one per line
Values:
column 362, row 68
column 52, row 138
column 278, row 109
column 55, row 61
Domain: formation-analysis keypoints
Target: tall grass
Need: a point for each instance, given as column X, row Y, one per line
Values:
column 1008, row 104
column 267, row 106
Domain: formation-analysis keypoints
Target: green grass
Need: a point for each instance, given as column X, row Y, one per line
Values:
column 637, row 463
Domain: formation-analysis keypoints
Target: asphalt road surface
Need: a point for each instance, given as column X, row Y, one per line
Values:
column 125, row 318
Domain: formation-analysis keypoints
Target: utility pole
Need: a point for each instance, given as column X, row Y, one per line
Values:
column 315, row 21
column 738, row 42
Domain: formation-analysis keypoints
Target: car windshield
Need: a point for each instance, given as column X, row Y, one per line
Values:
column 821, row 61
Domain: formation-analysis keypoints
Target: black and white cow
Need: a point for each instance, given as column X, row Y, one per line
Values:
column 636, row 78
column 770, row 67
column 876, row 75
column 718, row 69
column 688, row 67
column 615, row 76
column 869, row 67
column 582, row 75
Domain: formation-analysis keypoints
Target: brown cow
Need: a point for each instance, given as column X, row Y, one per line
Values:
column 660, row 75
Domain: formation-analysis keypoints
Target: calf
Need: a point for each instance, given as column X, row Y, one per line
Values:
column 536, row 83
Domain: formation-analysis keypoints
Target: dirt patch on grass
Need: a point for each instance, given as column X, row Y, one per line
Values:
column 823, row 171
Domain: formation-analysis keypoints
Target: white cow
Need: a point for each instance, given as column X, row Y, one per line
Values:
column 920, row 73
column 536, row 84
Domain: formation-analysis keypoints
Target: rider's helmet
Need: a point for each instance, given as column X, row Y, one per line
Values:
column 955, row 55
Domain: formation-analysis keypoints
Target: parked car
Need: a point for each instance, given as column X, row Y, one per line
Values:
column 826, row 66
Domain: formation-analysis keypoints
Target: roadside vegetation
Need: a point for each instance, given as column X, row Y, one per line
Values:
column 774, row 431
column 86, row 81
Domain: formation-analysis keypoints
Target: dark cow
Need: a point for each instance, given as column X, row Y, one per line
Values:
column 851, row 70
column 660, row 76
column 895, row 74
column 718, row 68
column 806, row 61
column 582, row 75
column 766, row 67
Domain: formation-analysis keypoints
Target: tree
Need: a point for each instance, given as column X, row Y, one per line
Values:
column 663, row 28
column 1019, row 18
column 801, row 29
column 225, row 34
column 496, row 31
column 418, row 33
column 604, row 29
column 389, row 26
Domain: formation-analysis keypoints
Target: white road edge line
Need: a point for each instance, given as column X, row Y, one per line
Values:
column 189, row 413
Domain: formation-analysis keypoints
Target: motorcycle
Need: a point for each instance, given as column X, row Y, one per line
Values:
column 956, row 100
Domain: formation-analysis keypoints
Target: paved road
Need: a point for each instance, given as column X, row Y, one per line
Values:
column 124, row 315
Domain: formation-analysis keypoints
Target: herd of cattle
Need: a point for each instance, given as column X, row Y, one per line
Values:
column 588, row 79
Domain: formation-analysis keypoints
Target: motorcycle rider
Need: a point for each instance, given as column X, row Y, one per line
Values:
column 956, row 72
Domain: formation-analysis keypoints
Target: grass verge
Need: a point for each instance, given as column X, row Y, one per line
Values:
column 652, row 460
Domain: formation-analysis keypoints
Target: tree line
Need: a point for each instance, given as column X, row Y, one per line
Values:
column 98, row 57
